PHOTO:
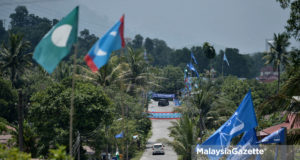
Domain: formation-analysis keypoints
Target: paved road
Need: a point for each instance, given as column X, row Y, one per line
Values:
column 160, row 130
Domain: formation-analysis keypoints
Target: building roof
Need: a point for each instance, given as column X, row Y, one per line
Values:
column 4, row 139
column 292, row 122
column 267, row 69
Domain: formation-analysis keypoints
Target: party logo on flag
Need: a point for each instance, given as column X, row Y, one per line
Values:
column 113, row 40
column 57, row 43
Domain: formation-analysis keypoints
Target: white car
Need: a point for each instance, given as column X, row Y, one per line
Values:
column 158, row 148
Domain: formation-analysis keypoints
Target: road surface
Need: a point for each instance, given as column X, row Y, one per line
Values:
column 160, row 130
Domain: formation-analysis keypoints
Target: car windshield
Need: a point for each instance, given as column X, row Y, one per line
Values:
column 157, row 146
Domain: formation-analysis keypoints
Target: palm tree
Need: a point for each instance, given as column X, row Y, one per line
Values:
column 14, row 60
column 14, row 57
column 184, row 132
column 106, row 75
column 209, row 52
column 278, row 54
column 137, row 78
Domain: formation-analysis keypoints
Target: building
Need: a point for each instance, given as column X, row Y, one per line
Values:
column 267, row 74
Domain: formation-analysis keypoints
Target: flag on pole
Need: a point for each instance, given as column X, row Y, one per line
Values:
column 113, row 40
column 120, row 135
column 193, row 57
column 276, row 137
column 225, row 59
column 191, row 67
column 57, row 43
column 242, row 120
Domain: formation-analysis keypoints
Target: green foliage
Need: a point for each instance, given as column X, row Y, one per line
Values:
column 293, row 22
column 8, row 98
column 33, row 27
column 137, row 42
column 59, row 153
column 184, row 132
column 13, row 154
column 15, row 59
column 171, row 79
column 49, row 111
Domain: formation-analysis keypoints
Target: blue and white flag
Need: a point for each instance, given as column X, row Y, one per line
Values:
column 121, row 135
column 276, row 137
column 248, row 141
column 113, row 40
column 242, row 120
column 193, row 57
column 225, row 59
column 191, row 67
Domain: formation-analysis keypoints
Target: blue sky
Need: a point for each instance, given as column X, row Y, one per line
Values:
column 229, row 23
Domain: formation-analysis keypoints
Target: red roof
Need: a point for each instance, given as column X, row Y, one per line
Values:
column 292, row 122
column 267, row 69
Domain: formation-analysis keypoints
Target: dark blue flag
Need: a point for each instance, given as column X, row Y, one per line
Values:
column 119, row 135
column 191, row 67
column 193, row 57
column 275, row 137
column 242, row 120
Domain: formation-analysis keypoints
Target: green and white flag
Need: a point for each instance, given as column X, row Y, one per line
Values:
column 57, row 43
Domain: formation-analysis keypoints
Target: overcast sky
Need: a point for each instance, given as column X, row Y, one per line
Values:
column 242, row 24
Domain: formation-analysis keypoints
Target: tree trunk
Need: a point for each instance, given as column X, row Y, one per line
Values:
column 20, row 121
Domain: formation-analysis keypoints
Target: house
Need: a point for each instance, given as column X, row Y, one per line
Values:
column 267, row 74
column 292, row 122
column 5, row 136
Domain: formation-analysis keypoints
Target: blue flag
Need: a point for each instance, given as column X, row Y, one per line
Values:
column 191, row 67
column 242, row 120
column 248, row 141
column 113, row 40
column 276, row 137
column 193, row 57
column 119, row 135
column 225, row 59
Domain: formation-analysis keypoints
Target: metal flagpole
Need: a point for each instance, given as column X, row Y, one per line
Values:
column 72, row 102
column 222, row 65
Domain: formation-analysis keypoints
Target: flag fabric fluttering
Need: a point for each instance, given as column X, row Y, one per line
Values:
column 247, row 142
column 120, row 135
column 193, row 57
column 191, row 67
column 276, row 137
column 57, row 43
column 242, row 120
column 113, row 40
column 225, row 59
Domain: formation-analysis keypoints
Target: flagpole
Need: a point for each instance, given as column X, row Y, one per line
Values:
column 123, row 119
column 222, row 66
column 72, row 103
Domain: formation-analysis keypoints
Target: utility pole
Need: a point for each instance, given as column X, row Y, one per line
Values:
column 126, row 136
column 20, row 119
column 72, row 103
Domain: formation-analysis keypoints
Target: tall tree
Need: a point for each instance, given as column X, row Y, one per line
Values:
column 209, row 52
column 278, row 54
column 148, row 45
column 15, row 59
column 137, row 41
